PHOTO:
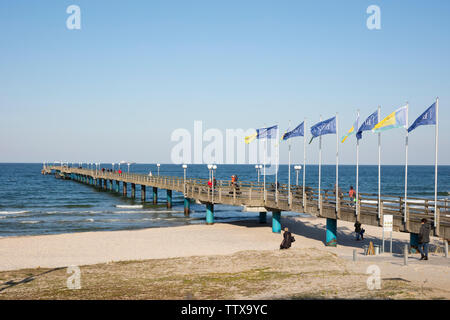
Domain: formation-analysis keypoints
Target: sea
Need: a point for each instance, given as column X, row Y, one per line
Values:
column 36, row 204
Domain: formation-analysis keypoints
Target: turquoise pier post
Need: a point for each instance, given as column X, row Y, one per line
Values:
column 209, row 213
column 110, row 185
column 117, row 186
column 263, row 217
column 276, row 225
column 414, row 242
column 187, row 206
column 169, row 199
column 331, row 237
column 155, row 195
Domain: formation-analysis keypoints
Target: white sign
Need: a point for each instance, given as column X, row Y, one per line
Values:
column 388, row 223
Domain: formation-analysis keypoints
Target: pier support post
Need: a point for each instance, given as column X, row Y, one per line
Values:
column 263, row 217
column 133, row 190
column 155, row 195
column 124, row 189
column 276, row 225
column 414, row 242
column 143, row 191
column 110, row 184
column 105, row 184
column 331, row 236
column 117, row 186
column 169, row 199
column 187, row 205
column 209, row 213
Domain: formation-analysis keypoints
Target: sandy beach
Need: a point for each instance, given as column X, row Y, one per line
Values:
column 240, row 241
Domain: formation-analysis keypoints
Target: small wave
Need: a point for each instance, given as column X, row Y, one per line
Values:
column 149, row 211
column 14, row 212
column 124, row 206
column 89, row 220
column 30, row 221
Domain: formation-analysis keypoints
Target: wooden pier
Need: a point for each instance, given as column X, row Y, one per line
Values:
column 406, row 216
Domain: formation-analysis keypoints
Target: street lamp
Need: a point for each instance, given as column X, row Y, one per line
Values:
column 129, row 163
column 113, row 166
column 158, row 165
column 297, row 169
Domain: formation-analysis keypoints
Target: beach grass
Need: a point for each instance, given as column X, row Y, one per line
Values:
column 290, row 274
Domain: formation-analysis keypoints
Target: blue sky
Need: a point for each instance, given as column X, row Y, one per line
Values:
column 137, row 70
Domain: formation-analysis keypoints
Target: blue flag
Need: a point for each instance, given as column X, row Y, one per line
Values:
column 426, row 118
column 368, row 124
column 297, row 132
column 324, row 127
column 269, row 133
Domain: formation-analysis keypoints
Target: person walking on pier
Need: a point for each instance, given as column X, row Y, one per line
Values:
column 287, row 239
column 352, row 196
column 424, row 239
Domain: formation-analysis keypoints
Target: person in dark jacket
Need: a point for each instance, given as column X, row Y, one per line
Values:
column 424, row 239
column 359, row 232
column 287, row 239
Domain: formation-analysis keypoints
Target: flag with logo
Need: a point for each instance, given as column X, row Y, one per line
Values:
column 368, row 124
column 426, row 118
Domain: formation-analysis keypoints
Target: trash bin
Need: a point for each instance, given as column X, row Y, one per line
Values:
column 366, row 249
column 376, row 248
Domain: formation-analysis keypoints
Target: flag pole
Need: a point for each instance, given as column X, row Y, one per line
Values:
column 320, row 161
column 337, row 163
column 379, row 167
column 304, row 159
column 357, row 167
column 436, row 161
column 406, row 165
column 277, row 146
column 265, row 151
column 289, row 170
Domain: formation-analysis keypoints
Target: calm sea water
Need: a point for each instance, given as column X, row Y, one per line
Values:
column 32, row 204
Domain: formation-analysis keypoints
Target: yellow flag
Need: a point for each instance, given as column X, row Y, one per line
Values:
column 250, row 138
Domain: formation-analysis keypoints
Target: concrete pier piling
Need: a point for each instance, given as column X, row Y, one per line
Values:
column 155, row 195
column 414, row 242
column 133, row 190
column 124, row 189
column 331, row 233
column 276, row 224
column 169, row 199
column 143, row 193
column 263, row 217
column 209, row 213
column 187, row 205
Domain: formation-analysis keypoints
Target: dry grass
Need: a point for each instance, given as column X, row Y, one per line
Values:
column 290, row 274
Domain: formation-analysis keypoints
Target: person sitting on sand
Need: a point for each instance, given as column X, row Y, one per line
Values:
column 287, row 239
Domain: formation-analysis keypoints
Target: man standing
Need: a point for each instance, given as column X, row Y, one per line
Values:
column 424, row 239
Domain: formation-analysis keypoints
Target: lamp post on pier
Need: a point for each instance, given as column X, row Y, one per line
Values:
column 297, row 170
column 158, row 165
column 258, row 168
column 184, row 168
